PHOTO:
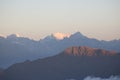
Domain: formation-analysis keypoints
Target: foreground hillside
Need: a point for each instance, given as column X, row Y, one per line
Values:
column 73, row 63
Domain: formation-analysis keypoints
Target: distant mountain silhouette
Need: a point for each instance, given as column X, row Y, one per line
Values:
column 14, row 48
column 73, row 63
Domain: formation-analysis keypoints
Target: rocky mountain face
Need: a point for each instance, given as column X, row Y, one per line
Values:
column 14, row 48
column 87, row 51
column 73, row 63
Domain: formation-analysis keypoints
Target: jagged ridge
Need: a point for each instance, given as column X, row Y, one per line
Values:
column 87, row 51
column 63, row 67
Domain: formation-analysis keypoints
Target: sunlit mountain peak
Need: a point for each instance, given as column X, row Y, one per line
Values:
column 2, row 36
column 13, row 35
column 61, row 36
column 17, row 35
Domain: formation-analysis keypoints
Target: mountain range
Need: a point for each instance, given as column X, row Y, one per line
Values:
column 14, row 49
column 74, row 63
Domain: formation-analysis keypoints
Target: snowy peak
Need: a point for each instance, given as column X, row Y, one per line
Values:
column 13, row 36
column 87, row 51
column 60, row 36
column 2, row 36
column 77, row 35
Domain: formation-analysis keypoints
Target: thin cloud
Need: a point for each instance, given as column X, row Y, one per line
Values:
column 98, row 78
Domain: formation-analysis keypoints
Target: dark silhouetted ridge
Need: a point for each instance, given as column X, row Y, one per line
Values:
column 66, row 67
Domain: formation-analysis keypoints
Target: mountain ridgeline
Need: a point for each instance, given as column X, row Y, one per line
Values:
column 87, row 51
column 74, row 63
column 14, row 48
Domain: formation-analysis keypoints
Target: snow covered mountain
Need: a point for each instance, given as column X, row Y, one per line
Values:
column 15, row 49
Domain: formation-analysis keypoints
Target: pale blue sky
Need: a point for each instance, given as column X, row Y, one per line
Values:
column 37, row 18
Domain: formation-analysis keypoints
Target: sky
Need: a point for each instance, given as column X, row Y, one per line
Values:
column 38, row 18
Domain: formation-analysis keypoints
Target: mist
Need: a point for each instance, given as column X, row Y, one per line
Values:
column 98, row 78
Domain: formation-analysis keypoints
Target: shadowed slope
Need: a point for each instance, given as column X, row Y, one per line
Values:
column 15, row 49
column 74, row 62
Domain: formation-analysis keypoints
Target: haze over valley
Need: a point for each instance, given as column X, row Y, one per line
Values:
column 59, row 39
column 16, row 49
